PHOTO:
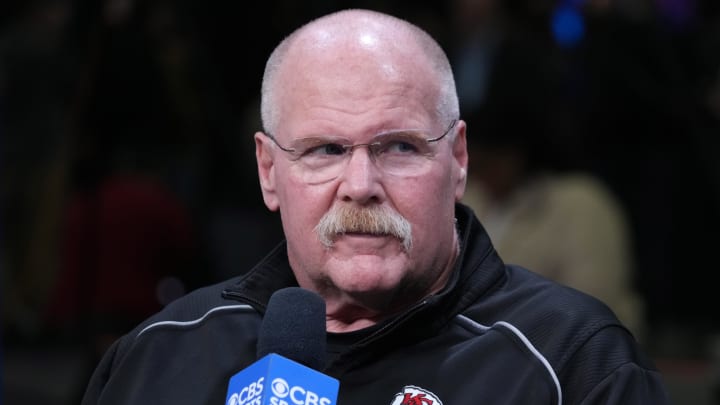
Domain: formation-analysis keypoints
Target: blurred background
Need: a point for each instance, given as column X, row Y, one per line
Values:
column 127, row 173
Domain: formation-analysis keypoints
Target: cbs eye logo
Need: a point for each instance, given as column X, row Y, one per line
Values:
column 284, row 394
column 280, row 388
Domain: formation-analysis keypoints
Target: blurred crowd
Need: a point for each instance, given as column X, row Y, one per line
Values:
column 127, row 173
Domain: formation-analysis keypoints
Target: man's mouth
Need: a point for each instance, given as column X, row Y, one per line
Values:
column 368, row 234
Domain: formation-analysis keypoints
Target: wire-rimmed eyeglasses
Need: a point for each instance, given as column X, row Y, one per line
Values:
column 401, row 153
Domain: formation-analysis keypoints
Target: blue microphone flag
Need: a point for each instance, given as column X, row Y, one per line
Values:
column 276, row 380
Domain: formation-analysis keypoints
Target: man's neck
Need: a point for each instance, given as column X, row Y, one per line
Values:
column 348, row 314
column 338, row 326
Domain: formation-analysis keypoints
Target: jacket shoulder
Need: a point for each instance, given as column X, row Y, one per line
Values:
column 579, row 336
column 186, row 312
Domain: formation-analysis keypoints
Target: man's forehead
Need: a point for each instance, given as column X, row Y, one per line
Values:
column 355, row 68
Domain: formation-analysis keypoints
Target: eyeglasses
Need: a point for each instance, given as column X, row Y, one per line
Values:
column 402, row 153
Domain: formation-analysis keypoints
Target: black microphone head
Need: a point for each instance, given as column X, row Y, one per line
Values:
column 294, row 327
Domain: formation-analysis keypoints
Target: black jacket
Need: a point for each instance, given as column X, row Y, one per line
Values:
column 496, row 334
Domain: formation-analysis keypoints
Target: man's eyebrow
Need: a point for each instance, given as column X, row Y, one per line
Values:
column 410, row 132
column 322, row 139
column 329, row 137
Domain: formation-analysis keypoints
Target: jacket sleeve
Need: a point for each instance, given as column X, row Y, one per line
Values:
column 610, row 368
column 100, row 376
column 630, row 384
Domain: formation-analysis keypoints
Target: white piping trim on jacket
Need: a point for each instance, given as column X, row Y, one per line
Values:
column 529, row 345
column 194, row 321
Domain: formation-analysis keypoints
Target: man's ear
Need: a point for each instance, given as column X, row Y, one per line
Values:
column 460, row 159
column 266, row 171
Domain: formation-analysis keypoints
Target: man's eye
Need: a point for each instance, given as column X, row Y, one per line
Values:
column 405, row 147
column 401, row 146
column 326, row 149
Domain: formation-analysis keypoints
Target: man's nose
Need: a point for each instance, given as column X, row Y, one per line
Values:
column 360, row 180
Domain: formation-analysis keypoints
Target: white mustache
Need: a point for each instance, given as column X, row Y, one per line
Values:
column 374, row 220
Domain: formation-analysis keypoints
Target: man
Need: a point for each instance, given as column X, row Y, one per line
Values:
column 364, row 156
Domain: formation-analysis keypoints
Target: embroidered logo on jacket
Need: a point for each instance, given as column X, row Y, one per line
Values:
column 412, row 395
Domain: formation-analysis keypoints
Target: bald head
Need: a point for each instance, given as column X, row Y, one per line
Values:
column 357, row 46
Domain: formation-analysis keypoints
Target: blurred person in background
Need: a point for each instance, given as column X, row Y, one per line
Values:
column 540, row 210
column 564, row 224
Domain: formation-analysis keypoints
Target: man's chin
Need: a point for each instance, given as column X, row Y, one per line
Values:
column 379, row 270
column 365, row 281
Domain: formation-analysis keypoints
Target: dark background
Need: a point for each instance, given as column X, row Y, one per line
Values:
column 127, row 171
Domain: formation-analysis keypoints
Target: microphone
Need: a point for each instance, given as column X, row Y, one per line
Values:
column 291, row 348
column 294, row 327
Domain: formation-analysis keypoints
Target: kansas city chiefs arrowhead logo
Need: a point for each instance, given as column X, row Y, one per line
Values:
column 412, row 395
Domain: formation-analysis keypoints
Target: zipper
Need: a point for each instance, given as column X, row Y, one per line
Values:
column 391, row 324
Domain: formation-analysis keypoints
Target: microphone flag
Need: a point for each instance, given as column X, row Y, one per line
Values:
column 277, row 380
